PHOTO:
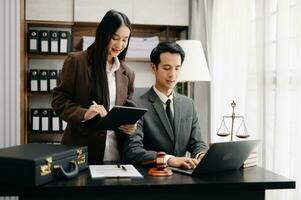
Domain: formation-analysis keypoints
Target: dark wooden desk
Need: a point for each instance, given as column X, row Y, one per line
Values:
column 247, row 184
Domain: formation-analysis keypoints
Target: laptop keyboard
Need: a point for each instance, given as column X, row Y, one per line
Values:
column 185, row 171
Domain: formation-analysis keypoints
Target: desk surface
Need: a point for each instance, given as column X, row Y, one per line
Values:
column 254, row 178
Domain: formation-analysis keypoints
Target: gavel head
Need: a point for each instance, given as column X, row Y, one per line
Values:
column 160, row 161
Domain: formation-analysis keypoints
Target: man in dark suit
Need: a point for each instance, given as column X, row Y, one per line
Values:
column 171, row 123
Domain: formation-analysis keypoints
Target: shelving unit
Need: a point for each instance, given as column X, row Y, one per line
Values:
column 78, row 30
column 45, row 137
column 163, row 32
column 27, row 97
column 50, row 56
column 39, row 94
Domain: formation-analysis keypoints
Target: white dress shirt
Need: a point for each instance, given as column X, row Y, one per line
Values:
column 111, row 148
column 164, row 99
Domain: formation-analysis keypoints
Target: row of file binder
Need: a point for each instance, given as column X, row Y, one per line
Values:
column 42, row 80
column 49, row 42
column 46, row 120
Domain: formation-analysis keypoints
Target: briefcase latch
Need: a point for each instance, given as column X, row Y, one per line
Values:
column 46, row 169
column 81, row 158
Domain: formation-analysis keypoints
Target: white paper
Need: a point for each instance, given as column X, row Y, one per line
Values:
column 63, row 45
column 141, row 47
column 52, row 83
column 55, row 124
column 87, row 41
column 34, row 85
column 64, row 125
column 33, row 44
column 113, row 171
column 44, row 46
column 43, row 85
column 54, row 47
column 35, row 124
column 45, row 124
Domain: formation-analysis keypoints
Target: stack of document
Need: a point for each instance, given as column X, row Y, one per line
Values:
column 251, row 161
column 141, row 47
column 113, row 171
column 87, row 41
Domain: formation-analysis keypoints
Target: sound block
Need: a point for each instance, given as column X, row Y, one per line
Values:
column 162, row 172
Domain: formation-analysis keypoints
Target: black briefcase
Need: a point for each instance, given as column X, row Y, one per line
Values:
column 37, row 163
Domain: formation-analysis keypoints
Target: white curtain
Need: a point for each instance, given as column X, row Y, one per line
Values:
column 9, row 73
column 199, row 29
column 283, row 92
column 256, row 61
column 235, row 73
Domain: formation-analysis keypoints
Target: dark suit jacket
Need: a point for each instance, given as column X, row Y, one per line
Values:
column 154, row 132
column 71, row 99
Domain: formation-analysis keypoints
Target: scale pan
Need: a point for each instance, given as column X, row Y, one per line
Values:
column 243, row 135
column 223, row 134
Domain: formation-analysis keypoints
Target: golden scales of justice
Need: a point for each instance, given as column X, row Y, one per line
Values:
column 223, row 130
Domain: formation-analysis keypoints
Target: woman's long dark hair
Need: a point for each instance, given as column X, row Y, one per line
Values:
column 98, row 54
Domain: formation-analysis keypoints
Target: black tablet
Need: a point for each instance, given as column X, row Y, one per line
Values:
column 118, row 115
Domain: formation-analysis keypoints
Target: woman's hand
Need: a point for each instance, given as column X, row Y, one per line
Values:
column 128, row 128
column 94, row 110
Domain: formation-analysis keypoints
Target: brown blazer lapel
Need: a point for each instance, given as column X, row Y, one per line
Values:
column 121, row 86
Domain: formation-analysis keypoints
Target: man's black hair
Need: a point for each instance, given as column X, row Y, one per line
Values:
column 162, row 47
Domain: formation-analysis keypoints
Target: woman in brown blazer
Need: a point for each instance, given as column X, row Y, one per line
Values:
column 93, row 81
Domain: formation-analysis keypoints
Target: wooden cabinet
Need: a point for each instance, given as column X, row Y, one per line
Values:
column 38, row 99
column 81, row 18
column 46, row 61
column 94, row 10
column 158, row 12
column 154, row 12
column 54, row 10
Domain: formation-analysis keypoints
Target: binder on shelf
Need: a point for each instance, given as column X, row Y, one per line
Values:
column 64, row 42
column 54, row 42
column 55, row 121
column 44, row 119
column 43, row 79
column 52, row 79
column 35, row 119
column 64, row 125
column 32, row 41
column 33, row 80
column 44, row 41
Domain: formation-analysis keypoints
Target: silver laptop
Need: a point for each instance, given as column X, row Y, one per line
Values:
column 222, row 157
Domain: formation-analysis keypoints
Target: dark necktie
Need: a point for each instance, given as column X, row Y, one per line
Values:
column 169, row 113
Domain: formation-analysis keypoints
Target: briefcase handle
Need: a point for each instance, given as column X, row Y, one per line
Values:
column 70, row 174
